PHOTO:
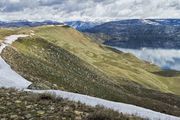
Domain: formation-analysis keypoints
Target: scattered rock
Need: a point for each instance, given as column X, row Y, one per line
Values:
column 29, row 106
column 78, row 118
column 78, row 113
column 8, row 103
column 17, row 101
column 52, row 108
column 66, row 108
column 1, row 107
column 40, row 112
column 38, row 86
column 3, row 119
column 14, row 116
column 63, row 118
column 28, row 116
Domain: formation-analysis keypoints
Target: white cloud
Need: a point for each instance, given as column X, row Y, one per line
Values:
column 14, row 1
column 62, row 10
column 165, row 58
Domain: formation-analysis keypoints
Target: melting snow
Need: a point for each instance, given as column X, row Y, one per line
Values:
column 12, row 38
column 121, row 107
column 8, row 77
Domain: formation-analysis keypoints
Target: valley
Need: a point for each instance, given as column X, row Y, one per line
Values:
column 152, row 40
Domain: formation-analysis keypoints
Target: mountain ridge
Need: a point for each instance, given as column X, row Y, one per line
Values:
column 26, row 23
column 136, row 34
column 101, row 72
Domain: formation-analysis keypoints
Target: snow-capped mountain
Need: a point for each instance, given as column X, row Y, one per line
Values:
column 80, row 25
column 174, row 22
column 138, row 33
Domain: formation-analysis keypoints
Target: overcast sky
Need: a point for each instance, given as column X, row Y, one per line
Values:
column 91, row 10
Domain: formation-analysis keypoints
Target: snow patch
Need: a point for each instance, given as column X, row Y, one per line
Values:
column 120, row 107
column 2, row 47
column 12, row 38
column 8, row 77
column 146, row 21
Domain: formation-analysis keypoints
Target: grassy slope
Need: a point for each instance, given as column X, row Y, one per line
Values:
column 118, row 66
column 51, row 56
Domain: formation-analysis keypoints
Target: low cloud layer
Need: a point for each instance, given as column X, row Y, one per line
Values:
column 165, row 58
column 91, row 10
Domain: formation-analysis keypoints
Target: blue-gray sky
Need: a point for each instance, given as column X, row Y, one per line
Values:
column 91, row 10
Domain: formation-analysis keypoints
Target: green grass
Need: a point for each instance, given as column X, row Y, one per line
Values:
column 116, row 65
column 45, row 61
column 67, row 58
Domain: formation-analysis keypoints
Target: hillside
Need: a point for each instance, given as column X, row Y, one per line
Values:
column 60, row 57
column 16, row 105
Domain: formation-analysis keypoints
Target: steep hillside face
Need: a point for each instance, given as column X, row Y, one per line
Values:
column 136, row 34
column 60, row 57
column 118, row 66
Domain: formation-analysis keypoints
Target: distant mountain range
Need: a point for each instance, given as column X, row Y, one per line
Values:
column 83, row 26
column 139, row 33
column 79, row 25
column 25, row 23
